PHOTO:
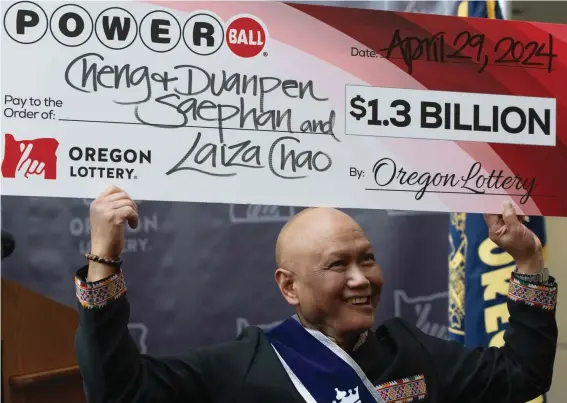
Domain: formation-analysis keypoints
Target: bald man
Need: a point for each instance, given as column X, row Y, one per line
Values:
column 325, row 261
column 330, row 351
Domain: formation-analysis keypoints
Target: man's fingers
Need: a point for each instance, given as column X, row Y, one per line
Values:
column 120, row 196
column 491, row 219
column 124, row 198
column 116, row 196
column 118, row 204
column 523, row 218
column 509, row 214
column 110, row 190
column 127, row 213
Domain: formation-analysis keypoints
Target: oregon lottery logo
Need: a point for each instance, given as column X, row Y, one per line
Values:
column 202, row 32
column 30, row 157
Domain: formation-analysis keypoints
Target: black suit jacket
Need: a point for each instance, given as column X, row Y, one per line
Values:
column 247, row 370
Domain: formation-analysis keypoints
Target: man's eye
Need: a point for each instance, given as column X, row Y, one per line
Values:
column 369, row 257
column 337, row 263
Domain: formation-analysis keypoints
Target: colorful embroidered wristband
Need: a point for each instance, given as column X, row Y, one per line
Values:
column 98, row 293
column 404, row 390
column 537, row 295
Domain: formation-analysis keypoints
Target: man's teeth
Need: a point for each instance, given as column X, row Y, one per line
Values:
column 358, row 301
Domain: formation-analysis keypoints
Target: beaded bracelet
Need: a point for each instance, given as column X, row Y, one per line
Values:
column 116, row 263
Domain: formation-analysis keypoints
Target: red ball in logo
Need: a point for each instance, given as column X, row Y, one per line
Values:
column 245, row 37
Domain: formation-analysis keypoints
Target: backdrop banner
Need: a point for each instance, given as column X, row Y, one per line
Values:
column 199, row 273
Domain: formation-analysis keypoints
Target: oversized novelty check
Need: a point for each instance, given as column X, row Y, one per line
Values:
column 287, row 104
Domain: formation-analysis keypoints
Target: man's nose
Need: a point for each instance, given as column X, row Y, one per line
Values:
column 356, row 277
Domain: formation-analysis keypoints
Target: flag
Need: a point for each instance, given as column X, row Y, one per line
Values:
column 479, row 274
column 479, row 271
column 480, row 9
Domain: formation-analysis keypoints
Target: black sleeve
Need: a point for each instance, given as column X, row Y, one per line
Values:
column 516, row 372
column 114, row 371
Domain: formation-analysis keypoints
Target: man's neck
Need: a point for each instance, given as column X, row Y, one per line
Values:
column 348, row 342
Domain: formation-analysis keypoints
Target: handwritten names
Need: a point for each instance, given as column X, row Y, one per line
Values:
column 194, row 94
column 191, row 96
column 286, row 158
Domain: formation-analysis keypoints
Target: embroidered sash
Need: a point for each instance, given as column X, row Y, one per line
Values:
column 321, row 371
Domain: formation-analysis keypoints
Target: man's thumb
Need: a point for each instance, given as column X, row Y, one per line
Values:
column 133, row 221
column 509, row 215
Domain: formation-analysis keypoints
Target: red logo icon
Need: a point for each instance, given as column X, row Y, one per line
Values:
column 245, row 37
column 29, row 157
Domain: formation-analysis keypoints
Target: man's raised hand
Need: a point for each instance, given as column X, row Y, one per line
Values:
column 109, row 212
column 507, row 230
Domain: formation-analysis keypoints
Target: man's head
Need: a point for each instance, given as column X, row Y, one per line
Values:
column 327, row 270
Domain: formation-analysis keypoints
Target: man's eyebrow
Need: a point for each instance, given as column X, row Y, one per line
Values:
column 339, row 252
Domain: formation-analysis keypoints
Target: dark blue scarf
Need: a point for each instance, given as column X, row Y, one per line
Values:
column 326, row 371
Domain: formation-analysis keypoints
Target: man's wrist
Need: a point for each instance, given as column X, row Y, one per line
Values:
column 99, row 271
column 102, row 251
column 102, row 263
column 533, row 278
column 533, row 265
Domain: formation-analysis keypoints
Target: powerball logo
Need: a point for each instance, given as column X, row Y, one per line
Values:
column 27, row 158
column 202, row 32
column 205, row 34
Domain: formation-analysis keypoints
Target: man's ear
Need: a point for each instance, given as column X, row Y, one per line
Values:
column 287, row 285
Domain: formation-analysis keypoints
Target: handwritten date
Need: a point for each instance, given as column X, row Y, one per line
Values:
column 470, row 47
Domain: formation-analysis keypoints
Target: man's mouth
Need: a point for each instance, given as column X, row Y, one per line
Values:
column 359, row 301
